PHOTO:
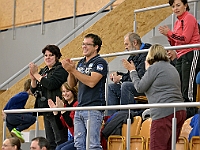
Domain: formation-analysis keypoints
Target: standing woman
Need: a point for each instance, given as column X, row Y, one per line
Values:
column 188, row 60
column 161, row 84
column 12, row 143
column 66, row 117
column 46, row 85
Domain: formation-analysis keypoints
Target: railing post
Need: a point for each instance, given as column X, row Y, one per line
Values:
column 195, row 9
column 173, row 20
column 111, row 7
column 128, row 131
column 42, row 19
column 106, row 95
column 74, row 16
column 4, row 130
column 14, row 15
column 36, row 126
column 174, row 120
column 135, row 23
column 154, row 32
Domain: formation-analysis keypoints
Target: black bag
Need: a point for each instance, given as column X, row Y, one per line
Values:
column 114, row 124
column 191, row 111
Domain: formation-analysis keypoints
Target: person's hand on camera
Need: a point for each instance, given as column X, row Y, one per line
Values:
column 115, row 78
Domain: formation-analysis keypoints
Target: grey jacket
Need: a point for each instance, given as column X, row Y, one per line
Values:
column 161, row 84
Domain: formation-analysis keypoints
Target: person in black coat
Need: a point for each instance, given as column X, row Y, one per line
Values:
column 46, row 85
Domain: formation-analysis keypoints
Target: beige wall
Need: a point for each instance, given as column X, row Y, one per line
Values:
column 30, row 11
column 112, row 29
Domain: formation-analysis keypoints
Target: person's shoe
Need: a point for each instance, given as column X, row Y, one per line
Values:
column 17, row 134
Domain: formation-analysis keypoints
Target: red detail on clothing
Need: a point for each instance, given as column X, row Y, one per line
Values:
column 71, row 129
column 185, row 32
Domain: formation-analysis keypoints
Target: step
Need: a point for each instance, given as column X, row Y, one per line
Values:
column 25, row 146
column 28, row 136
column 160, row 39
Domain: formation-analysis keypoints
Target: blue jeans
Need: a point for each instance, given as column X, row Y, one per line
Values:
column 80, row 129
column 121, row 94
column 69, row 145
column 19, row 121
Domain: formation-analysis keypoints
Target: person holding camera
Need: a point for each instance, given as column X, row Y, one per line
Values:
column 46, row 85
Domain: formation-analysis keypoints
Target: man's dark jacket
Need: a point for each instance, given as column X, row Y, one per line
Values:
column 139, row 61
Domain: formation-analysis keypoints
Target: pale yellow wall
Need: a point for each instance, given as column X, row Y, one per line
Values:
column 112, row 29
column 30, row 11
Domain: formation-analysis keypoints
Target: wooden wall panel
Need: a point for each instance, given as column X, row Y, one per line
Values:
column 111, row 29
column 117, row 23
column 6, row 13
column 30, row 11
column 55, row 9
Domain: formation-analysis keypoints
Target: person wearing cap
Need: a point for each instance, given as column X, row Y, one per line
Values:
column 45, row 85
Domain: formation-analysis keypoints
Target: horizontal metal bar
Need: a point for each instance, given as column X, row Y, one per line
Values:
column 103, row 55
column 131, row 106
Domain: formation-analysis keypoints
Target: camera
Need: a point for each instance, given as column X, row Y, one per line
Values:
column 38, row 94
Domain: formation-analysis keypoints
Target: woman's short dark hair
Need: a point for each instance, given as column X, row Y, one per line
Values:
column 171, row 2
column 96, row 40
column 53, row 49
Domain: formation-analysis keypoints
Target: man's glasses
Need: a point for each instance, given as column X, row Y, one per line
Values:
column 87, row 44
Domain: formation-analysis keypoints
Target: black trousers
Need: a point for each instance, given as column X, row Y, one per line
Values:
column 54, row 135
column 188, row 66
column 20, row 121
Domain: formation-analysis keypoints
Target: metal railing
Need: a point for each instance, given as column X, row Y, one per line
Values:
column 127, row 107
column 131, row 106
column 58, row 43
column 159, row 7
column 103, row 55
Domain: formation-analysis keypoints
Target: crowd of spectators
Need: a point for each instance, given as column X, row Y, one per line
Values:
column 163, row 76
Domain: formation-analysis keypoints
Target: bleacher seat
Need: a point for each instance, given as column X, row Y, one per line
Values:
column 141, row 141
column 117, row 142
column 195, row 143
column 183, row 143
